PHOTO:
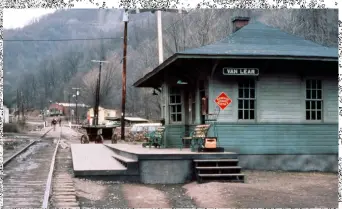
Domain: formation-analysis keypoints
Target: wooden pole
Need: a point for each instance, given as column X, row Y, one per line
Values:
column 123, row 102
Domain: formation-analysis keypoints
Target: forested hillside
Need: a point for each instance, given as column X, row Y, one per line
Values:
column 47, row 70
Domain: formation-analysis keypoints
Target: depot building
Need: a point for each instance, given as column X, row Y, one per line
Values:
column 279, row 103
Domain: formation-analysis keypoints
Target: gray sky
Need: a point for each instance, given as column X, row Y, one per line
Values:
column 17, row 18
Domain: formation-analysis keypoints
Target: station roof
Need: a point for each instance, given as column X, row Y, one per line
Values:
column 255, row 40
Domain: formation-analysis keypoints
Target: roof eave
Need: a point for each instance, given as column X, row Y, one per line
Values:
column 156, row 70
column 286, row 57
column 175, row 56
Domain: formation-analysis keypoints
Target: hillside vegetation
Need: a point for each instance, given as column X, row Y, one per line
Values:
column 47, row 70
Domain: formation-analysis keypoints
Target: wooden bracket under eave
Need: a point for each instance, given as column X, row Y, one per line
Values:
column 214, row 68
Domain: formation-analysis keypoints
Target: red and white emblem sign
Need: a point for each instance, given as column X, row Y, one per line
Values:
column 223, row 100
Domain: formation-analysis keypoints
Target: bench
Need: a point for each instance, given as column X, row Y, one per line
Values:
column 196, row 137
column 155, row 138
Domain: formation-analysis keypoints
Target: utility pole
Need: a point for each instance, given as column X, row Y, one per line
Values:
column 77, row 93
column 69, row 106
column 160, row 50
column 22, row 106
column 18, row 106
column 123, row 101
column 97, row 94
column 160, row 37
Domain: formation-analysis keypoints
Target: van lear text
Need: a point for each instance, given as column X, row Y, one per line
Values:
column 241, row 71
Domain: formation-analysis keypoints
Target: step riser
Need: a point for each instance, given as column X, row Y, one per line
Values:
column 217, row 171
column 216, row 164
column 213, row 167
column 132, row 167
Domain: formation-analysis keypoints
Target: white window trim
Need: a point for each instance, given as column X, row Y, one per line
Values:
column 255, row 103
column 303, row 100
column 181, row 103
column 322, row 105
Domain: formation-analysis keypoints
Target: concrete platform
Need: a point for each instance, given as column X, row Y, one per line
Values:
column 94, row 159
column 147, row 165
column 138, row 152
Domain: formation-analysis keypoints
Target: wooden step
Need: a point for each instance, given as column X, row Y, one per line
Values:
column 123, row 159
column 215, row 160
column 221, row 175
column 217, row 167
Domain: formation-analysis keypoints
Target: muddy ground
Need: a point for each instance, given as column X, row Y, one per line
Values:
column 262, row 189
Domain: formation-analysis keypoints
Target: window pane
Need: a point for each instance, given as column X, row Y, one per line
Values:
column 251, row 102
column 173, row 117
column 252, row 84
column 179, row 108
column 240, row 93
column 308, row 94
column 313, row 115
column 252, row 91
column 246, row 114
column 246, row 93
column 246, row 104
column 307, row 115
column 313, row 84
column 173, row 109
column 240, row 105
column 314, row 94
column 319, row 84
column 319, row 94
column 178, row 99
column 307, row 106
column 251, row 114
column 319, row 105
column 240, row 85
column 240, row 114
column 313, row 105
column 319, row 115
column 179, row 117
column 172, row 99
column 308, row 84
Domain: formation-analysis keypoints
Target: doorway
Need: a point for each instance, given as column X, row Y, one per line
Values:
column 202, row 93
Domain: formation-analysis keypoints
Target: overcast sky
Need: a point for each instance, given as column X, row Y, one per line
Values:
column 14, row 18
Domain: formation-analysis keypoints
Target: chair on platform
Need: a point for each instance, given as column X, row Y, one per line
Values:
column 196, row 137
column 155, row 138
column 211, row 118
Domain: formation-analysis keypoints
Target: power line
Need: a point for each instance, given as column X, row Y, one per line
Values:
column 76, row 39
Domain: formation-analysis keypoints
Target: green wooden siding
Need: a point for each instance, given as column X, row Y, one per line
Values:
column 270, row 138
column 173, row 135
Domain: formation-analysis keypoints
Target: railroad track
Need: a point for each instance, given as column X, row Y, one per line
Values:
column 31, row 180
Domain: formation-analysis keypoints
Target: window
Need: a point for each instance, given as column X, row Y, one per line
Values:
column 175, row 105
column 313, row 102
column 246, row 100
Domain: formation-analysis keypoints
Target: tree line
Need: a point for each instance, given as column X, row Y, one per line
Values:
column 71, row 65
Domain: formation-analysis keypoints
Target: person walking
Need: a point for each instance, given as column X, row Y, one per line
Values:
column 53, row 123
column 60, row 122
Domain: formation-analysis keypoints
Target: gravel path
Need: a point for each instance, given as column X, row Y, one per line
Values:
column 262, row 189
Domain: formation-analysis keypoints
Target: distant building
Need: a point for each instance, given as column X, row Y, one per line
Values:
column 103, row 113
column 56, row 109
column 6, row 114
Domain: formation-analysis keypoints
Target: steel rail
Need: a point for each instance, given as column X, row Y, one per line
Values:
column 24, row 149
column 48, row 187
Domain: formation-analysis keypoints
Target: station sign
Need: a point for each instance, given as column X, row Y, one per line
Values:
column 241, row 71
column 223, row 100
